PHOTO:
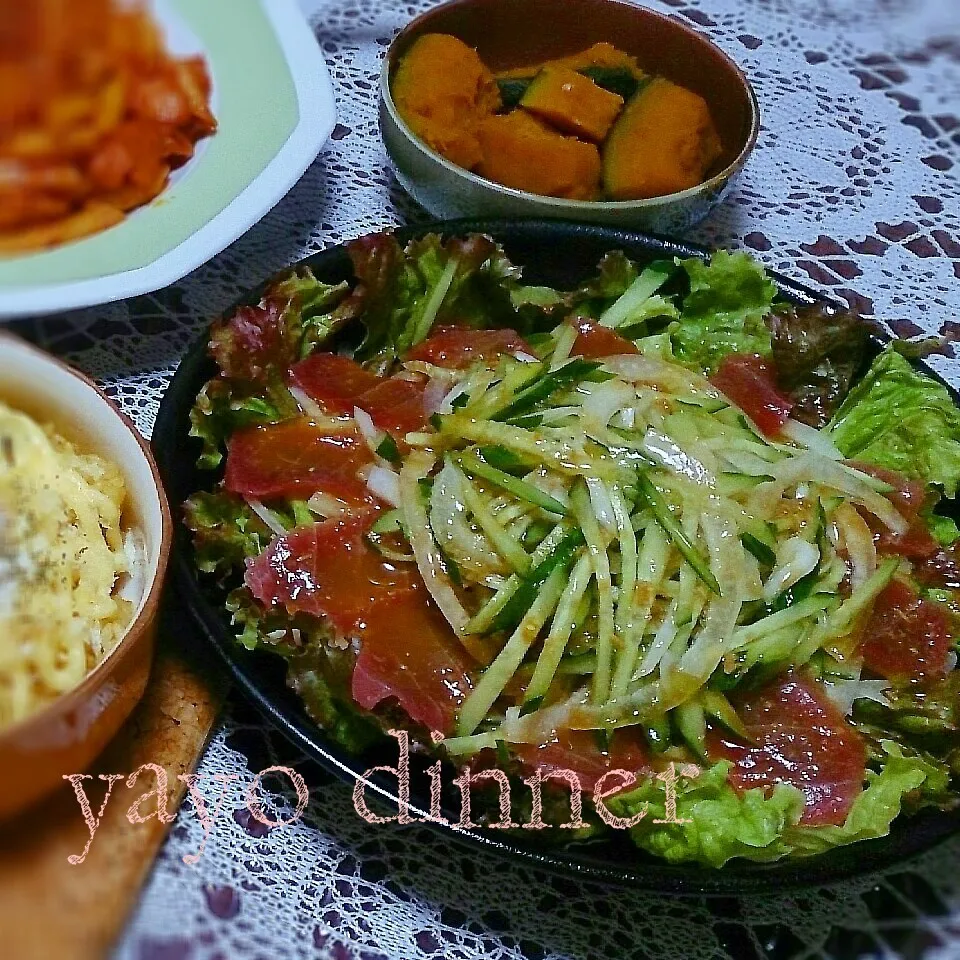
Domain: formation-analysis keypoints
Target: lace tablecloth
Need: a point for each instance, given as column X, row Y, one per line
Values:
column 855, row 186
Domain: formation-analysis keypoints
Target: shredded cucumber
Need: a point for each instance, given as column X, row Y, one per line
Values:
column 501, row 671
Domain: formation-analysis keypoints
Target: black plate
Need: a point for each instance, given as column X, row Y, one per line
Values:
column 558, row 254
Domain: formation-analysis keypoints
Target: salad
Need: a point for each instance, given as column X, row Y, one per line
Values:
column 660, row 517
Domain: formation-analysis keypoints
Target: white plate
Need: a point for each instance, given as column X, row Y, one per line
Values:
column 275, row 107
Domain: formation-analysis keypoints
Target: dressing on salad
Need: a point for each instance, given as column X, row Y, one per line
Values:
column 662, row 516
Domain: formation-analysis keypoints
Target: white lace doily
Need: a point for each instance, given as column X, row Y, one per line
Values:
column 855, row 186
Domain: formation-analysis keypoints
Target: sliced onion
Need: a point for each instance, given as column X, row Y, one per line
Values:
column 267, row 516
column 602, row 401
column 602, row 504
column 368, row 429
column 326, row 506
column 429, row 562
column 813, row 468
column 446, row 403
column 795, row 559
column 857, row 539
column 467, row 547
column 843, row 693
column 667, row 452
column 385, row 484
column 811, row 438
column 307, row 404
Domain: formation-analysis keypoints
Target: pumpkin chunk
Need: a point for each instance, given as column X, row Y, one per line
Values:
column 572, row 103
column 664, row 142
column 522, row 152
column 443, row 90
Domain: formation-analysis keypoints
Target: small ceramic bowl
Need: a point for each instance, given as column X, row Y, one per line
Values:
column 511, row 33
column 66, row 735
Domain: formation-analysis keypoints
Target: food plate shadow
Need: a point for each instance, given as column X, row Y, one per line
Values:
column 553, row 253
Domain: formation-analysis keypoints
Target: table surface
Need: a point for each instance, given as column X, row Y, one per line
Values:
column 854, row 187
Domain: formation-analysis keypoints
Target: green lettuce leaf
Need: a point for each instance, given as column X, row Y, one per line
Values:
column 901, row 419
column 223, row 407
column 722, row 823
column 754, row 825
column 406, row 292
column 623, row 297
column 944, row 529
column 315, row 670
column 730, row 297
column 874, row 810
column 226, row 532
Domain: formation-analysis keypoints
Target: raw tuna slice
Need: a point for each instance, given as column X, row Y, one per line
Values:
column 459, row 347
column 407, row 651
column 297, row 458
column 799, row 738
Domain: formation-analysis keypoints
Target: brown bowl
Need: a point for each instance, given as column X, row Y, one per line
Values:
column 65, row 736
column 513, row 33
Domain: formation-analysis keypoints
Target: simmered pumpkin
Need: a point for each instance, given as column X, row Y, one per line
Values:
column 664, row 142
column 443, row 91
column 572, row 103
column 599, row 55
column 541, row 128
column 522, row 152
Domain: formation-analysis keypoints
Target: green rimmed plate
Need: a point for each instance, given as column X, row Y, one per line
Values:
column 274, row 102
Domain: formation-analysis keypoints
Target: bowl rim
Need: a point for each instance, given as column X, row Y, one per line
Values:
column 564, row 206
column 152, row 590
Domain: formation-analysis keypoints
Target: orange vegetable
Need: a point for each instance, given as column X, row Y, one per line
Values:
column 443, row 91
column 572, row 103
column 599, row 55
column 664, row 142
column 522, row 152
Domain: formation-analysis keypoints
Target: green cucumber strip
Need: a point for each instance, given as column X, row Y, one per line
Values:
column 597, row 551
column 664, row 516
column 657, row 733
column 803, row 610
column 691, row 723
column 503, row 543
column 577, row 665
column 644, row 287
column 802, row 589
column 842, row 619
column 467, row 746
column 482, row 621
column 519, row 488
column 554, row 454
column 525, row 596
column 531, row 706
column 570, row 373
column 774, row 649
column 529, row 421
column 501, row 671
column 302, row 514
column 517, row 376
column 388, row 450
column 651, row 567
column 534, row 534
column 564, row 621
column 504, row 460
column 432, row 308
column 716, row 705
column 389, row 522
column 759, row 549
